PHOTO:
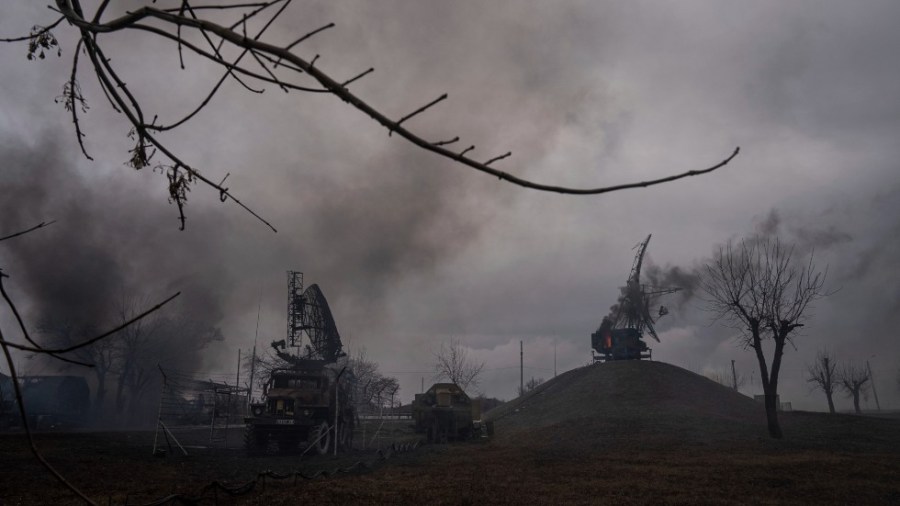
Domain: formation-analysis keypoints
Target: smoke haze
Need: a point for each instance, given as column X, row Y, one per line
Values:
column 411, row 250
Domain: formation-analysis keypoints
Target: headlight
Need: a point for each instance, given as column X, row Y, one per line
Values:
column 257, row 410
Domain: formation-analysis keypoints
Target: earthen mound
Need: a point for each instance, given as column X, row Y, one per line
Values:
column 631, row 403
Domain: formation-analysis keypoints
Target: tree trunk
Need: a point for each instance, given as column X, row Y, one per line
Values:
column 830, row 402
column 856, row 402
column 770, row 387
column 772, row 414
column 120, row 394
column 101, row 394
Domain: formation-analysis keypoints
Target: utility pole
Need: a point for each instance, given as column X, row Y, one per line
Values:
column 422, row 390
column 521, row 368
column 872, row 379
column 253, row 359
column 237, row 379
column 554, row 357
column 733, row 376
column 252, row 371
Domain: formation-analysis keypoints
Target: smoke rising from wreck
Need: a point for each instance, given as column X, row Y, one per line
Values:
column 98, row 253
column 113, row 238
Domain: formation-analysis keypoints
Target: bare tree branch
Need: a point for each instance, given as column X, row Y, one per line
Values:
column 452, row 363
column 23, row 232
column 186, row 17
column 37, row 348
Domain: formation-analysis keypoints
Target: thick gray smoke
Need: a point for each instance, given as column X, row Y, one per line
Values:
column 355, row 236
column 99, row 251
column 111, row 253
column 805, row 237
column 687, row 280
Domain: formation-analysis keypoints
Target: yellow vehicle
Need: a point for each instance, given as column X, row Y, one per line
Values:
column 446, row 413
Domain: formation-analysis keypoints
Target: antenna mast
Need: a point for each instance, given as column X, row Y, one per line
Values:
column 295, row 308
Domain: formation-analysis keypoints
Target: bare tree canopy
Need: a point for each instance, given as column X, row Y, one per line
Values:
column 854, row 379
column 732, row 380
column 531, row 385
column 371, row 388
column 200, row 29
column 760, row 289
column 822, row 374
column 452, row 363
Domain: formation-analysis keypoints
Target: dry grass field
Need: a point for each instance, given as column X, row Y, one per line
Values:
column 619, row 433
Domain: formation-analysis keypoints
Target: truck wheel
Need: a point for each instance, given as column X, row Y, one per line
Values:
column 320, row 438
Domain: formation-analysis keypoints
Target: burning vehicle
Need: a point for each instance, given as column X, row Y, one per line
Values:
column 620, row 336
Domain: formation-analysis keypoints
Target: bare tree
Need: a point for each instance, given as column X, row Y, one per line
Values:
column 823, row 375
column 854, row 379
column 726, row 378
column 141, row 347
column 452, row 363
column 101, row 355
column 759, row 289
column 133, row 347
column 371, row 388
column 186, row 26
column 531, row 385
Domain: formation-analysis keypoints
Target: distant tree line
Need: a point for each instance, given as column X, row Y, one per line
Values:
column 128, row 364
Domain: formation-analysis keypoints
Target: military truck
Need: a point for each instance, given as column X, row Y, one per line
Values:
column 302, row 405
column 446, row 413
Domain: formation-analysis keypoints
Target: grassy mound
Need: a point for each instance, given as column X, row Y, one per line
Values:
column 653, row 405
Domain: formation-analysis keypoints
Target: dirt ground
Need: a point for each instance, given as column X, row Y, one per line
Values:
column 617, row 434
column 113, row 469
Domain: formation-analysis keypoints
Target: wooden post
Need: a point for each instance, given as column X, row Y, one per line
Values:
column 733, row 376
column 521, row 369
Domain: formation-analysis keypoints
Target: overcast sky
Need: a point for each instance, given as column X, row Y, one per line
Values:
column 411, row 249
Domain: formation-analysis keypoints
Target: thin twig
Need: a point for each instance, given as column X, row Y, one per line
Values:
column 37, row 348
column 36, row 34
column 75, row 99
column 360, row 76
column 419, row 110
column 308, row 35
column 93, row 340
column 22, row 414
column 501, row 157
column 23, row 232
column 444, row 143
column 222, row 7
